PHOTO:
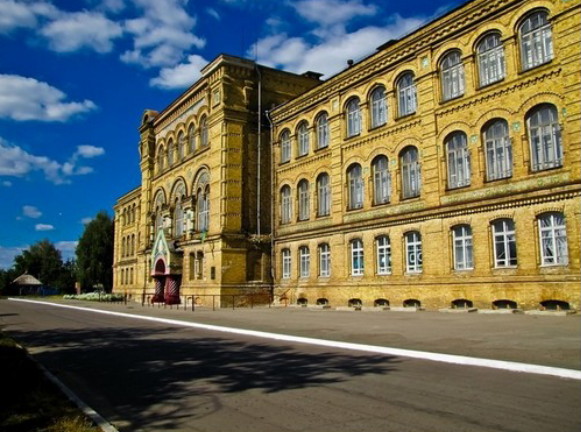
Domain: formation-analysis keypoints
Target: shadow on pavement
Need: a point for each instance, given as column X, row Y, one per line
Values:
column 159, row 376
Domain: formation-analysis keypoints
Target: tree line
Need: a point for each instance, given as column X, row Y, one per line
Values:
column 92, row 266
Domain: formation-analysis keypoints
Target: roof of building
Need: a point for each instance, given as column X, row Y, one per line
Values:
column 26, row 279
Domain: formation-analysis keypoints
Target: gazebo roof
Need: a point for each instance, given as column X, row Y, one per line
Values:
column 26, row 279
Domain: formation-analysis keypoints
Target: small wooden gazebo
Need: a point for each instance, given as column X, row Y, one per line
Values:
column 26, row 284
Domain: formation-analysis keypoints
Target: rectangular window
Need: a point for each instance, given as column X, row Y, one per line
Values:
column 324, row 260
column 463, row 253
column 304, row 262
column 413, row 245
column 383, row 255
column 357, row 263
column 553, row 237
column 504, row 243
column 286, row 264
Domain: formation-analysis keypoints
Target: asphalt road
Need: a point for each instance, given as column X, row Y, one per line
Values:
column 144, row 376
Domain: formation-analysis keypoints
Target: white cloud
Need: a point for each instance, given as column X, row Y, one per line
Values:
column 17, row 162
column 74, row 31
column 23, row 15
column 31, row 212
column 162, row 34
column 331, row 53
column 213, row 13
column 180, row 76
column 89, row 151
column 333, row 12
column 43, row 227
column 86, row 220
column 67, row 249
column 23, row 98
column 6, row 183
column 7, row 255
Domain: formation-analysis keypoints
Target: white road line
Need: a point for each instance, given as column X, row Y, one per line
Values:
column 423, row 355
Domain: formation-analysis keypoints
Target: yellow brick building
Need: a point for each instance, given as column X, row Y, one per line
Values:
column 441, row 171
column 198, row 224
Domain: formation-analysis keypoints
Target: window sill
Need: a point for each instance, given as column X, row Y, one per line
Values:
column 491, row 84
column 383, row 274
column 284, row 162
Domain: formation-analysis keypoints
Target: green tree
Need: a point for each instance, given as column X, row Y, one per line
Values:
column 41, row 260
column 6, row 278
column 95, row 253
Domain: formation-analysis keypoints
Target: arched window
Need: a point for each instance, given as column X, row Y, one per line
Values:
column 413, row 246
column 355, row 181
column 303, row 138
column 179, row 219
column 323, row 195
column 553, row 239
column 286, row 263
column 463, row 250
column 203, row 202
column 285, row 146
column 383, row 254
column 536, row 40
column 545, row 138
column 353, row 113
column 322, row 131
column 410, row 173
column 324, row 260
column 192, row 139
column 285, row 204
column 378, row 107
column 303, row 198
column 180, row 146
column 504, row 238
column 123, row 247
column 357, row 258
column 204, row 140
column 170, row 153
column 498, row 150
column 490, row 59
column 406, row 94
column 381, row 180
column 458, row 160
column 159, row 202
column 160, row 159
column 452, row 75
column 304, row 262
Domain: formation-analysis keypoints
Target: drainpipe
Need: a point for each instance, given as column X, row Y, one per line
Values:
column 272, row 189
column 259, row 154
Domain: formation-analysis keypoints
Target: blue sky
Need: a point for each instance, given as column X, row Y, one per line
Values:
column 76, row 75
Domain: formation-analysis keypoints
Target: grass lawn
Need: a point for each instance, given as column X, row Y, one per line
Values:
column 31, row 403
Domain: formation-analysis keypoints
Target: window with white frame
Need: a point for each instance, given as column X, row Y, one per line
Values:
column 458, row 160
column 406, row 94
column 324, row 260
column 192, row 139
column 463, row 250
column 285, row 204
column 303, row 138
column 413, row 247
column 490, row 59
column 323, row 195
column 203, row 207
column 303, row 198
column 410, row 173
column 553, row 238
column 180, row 146
column 378, row 107
column 355, row 179
column 353, row 117
column 498, row 150
column 159, row 202
column 504, row 236
column 285, row 146
column 179, row 219
column 204, row 140
column 322, row 131
column 304, row 261
column 452, row 75
column 383, row 252
column 545, row 138
column 381, row 180
column 170, row 154
column 536, row 40
column 357, row 263
column 286, row 263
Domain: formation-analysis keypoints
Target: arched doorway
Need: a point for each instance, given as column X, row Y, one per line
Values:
column 160, row 280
